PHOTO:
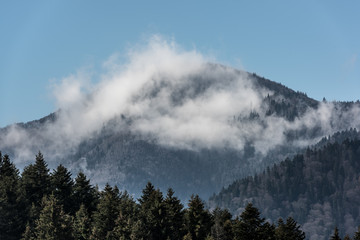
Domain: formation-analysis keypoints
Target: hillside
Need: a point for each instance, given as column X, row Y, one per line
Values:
column 198, row 132
column 319, row 188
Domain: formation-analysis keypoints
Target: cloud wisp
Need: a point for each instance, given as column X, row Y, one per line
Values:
column 174, row 96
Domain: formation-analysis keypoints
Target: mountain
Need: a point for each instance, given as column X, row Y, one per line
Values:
column 199, row 131
column 319, row 188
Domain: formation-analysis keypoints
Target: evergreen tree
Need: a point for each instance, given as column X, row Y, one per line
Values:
column 147, row 193
column 248, row 227
column 280, row 232
column 153, row 213
column 82, row 224
column 32, row 216
column 128, row 215
column 209, row 237
column 35, row 184
column 84, row 193
column 174, row 222
column 28, row 234
column 53, row 223
column 137, row 231
column 199, row 220
column 357, row 234
column 222, row 228
column 187, row 237
column 105, row 216
column 123, row 227
column 62, row 187
column 335, row 236
column 289, row 230
column 267, row 231
column 347, row 237
column 12, row 222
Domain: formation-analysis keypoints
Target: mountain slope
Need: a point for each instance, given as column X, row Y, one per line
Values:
column 319, row 188
column 196, row 131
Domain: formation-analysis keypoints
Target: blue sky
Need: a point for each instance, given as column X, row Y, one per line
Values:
column 309, row 46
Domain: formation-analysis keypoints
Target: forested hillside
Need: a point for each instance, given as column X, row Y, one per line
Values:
column 41, row 204
column 265, row 127
column 319, row 188
column 44, row 204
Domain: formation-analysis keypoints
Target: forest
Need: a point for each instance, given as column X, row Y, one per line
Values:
column 39, row 204
column 319, row 188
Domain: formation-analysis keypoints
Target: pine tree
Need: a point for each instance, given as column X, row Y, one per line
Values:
column 107, row 211
column 187, row 237
column 174, row 222
column 357, row 234
column 82, row 224
column 62, row 187
column 128, row 216
column 153, row 213
column 53, row 223
column 222, row 228
column 267, row 231
column 12, row 219
column 123, row 227
column 137, row 231
column 335, row 236
column 280, row 232
column 84, row 193
column 248, row 227
column 28, row 234
column 199, row 220
column 147, row 193
column 35, row 182
column 347, row 237
column 289, row 230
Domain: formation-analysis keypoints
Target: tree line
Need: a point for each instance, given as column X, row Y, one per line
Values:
column 39, row 204
column 319, row 188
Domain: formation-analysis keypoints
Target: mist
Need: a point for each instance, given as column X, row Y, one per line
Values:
column 174, row 96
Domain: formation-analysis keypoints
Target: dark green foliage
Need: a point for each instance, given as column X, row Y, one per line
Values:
column 267, row 231
column 107, row 212
column 127, row 218
column 320, row 181
column 53, row 223
column 248, row 226
column 117, row 215
column 222, row 227
column 198, row 219
column 335, row 236
column 357, row 234
column 84, row 193
column 187, row 237
column 62, row 188
column 35, row 183
column 174, row 219
column 82, row 224
column 28, row 234
column 12, row 219
column 347, row 237
column 153, row 213
column 289, row 230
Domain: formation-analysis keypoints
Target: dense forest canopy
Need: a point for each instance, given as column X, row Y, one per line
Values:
column 319, row 188
column 44, row 204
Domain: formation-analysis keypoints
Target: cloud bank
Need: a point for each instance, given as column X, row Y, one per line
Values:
column 174, row 96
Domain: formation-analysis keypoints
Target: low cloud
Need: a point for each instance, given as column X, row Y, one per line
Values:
column 174, row 96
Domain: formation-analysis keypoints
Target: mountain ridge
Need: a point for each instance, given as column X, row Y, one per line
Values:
column 318, row 187
column 120, row 154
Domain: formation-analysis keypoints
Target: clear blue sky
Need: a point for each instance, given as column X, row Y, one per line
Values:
column 309, row 46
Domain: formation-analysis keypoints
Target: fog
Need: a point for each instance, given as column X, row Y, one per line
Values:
column 173, row 95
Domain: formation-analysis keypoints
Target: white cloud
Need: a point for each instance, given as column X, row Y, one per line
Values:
column 175, row 96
